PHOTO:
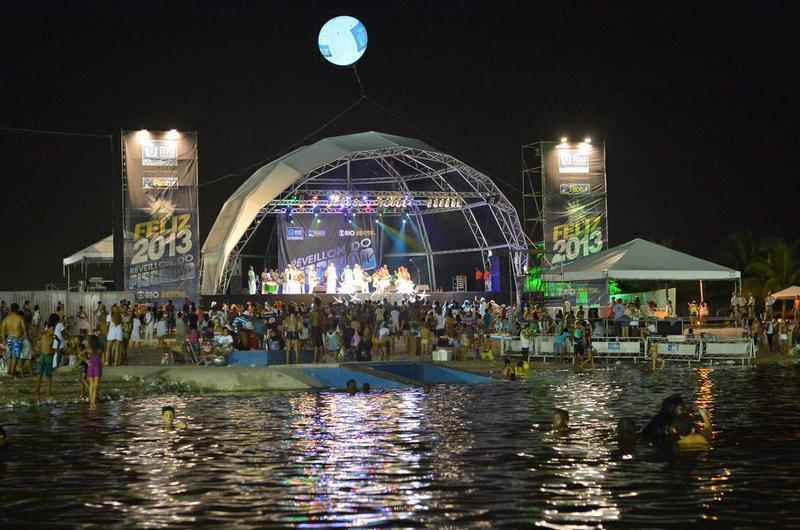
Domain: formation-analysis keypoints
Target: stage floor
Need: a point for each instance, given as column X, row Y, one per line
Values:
column 503, row 297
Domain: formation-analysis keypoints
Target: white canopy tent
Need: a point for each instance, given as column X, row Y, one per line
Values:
column 790, row 293
column 100, row 252
column 640, row 260
column 328, row 163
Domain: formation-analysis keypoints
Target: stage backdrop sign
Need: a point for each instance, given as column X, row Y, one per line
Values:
column 317, row 241
column 576, row 217
column 162, row 238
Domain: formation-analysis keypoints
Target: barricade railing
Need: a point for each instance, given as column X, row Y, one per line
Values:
column 618, row 348
column 674, row 348
column 706, row 348
column 544, row 347
column 727, row 349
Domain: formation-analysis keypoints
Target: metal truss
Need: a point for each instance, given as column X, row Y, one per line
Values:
column 437, row 167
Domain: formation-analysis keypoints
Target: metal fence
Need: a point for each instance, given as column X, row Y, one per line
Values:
column 699, row 349
column 48, row 301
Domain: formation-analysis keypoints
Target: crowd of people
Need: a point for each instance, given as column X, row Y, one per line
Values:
column 330, row 332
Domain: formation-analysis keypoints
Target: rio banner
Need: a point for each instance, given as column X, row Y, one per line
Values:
column 575, row 213
column 160, row 219
column 309, row 241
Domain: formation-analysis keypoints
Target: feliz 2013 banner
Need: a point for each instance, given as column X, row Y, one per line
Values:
column 575, row 211
column 162, row 238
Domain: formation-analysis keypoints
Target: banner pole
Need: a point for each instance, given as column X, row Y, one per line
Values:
column 118, row 212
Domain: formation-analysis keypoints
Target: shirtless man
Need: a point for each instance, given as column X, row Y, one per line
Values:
column 13, row 330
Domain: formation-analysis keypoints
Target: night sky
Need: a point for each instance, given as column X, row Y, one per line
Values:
column 697, row 104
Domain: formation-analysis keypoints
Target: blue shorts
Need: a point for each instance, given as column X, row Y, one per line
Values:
column 15, row 346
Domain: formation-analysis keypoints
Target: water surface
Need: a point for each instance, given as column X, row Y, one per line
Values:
column 452, row 456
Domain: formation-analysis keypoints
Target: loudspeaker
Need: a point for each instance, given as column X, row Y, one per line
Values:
column 669, row 326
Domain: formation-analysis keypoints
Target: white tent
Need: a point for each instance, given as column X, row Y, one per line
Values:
column 641, row 260
column 787, row 294
column 400, row 162
column 269, row 181
column 100, row 252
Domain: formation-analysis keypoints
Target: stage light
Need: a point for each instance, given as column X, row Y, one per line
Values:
column 364, row 197
column 489, row 253
column 143, row 133
column 404, row 221
column 173, row 134
column 563, row 139
column 587, row 140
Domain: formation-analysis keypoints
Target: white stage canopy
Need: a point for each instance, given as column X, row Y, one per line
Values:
column 100, row 252
column 641, row 260
column 787, row 294
column 397, row 161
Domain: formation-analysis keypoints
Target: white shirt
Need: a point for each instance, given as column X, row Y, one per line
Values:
column 58, row 332
column 395, row 317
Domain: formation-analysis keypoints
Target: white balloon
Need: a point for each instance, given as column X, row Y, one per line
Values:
column 342, row 40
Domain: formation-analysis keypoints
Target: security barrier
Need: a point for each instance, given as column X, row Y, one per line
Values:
column 701, row 349
column 622, row 348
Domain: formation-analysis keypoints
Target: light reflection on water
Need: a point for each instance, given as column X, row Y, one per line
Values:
column 453, row 456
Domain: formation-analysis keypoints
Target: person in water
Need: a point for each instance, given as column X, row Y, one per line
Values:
column 365, row 388
column 522, row 369
column 689, row 437
column 626, row 432
column 508, row 371
column 661, row 424
column 168, row 418
column 352, row 387
column 560, row 421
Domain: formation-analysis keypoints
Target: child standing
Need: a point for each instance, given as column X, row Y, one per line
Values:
column 83, row 365
column 47, row 339
column 94, row 370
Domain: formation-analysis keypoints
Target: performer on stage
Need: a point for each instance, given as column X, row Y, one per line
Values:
column 272, row 282
column 403, row 282
column 300, row 280
column 291, row 280
column 330, row 279
column 251, row 280
column 347, row 280
column 264, row 281
column 360, row 279
column 313, row 279
column 381, row 279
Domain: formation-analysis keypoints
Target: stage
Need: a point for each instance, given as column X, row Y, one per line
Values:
column 503, row 297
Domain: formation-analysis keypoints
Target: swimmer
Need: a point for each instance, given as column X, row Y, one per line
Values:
column 352, row 388
column 522, row 368
column 508, row 371
column 626, row 431
column 688, row 435
column 365, row 388
column 660, row 425
column 168, row 417
column 560, row 421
